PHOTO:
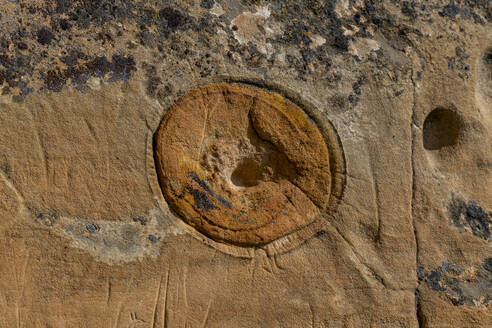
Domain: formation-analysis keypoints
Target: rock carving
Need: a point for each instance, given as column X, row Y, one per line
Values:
column 242, row 165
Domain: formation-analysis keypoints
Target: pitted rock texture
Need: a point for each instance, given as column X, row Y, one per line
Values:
column 87, row 238
column 243, row 165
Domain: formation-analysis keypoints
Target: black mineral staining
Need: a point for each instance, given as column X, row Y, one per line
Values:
column 420, row 273
column 201, row 200
column 487, row 264
column 154, row 239
column 91, row 228
column 460, row 286
column 142, row 220
column 223, row 201
column 205, row 187
column 200, row 182
column 434, row 279
column 470, row 215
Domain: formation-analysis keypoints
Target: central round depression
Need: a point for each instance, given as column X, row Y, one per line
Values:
column 242, row 165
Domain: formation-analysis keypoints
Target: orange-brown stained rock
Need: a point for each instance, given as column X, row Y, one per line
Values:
column 242, row 165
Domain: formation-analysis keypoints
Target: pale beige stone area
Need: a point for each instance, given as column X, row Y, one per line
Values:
column 88, row 238
column 75, row 253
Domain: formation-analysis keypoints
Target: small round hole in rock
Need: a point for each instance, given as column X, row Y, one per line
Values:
column 246, row 174
column 442, row 128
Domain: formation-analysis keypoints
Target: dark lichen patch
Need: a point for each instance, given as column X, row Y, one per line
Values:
column 47, row 31
column 122, row 67
column 354, row 97
column 12, row 77
column 410, row 9
column 80, row 68
column 340, row 28
column 470, row 217
column 460, row 286
column 451, row 10
column 207, row 4
column 299, row 29
column 172, row 19
column 45, row 36
column 55, row 80
column 85, row 13
column 155, row 86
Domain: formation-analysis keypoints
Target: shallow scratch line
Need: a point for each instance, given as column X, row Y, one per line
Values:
column 42, row 150
column 91, row 129
column 17, row 314
column 360, row 259
column 109, row 292
column 117, row 321
column 312, row 315
column 164, row 312
column 24, row 269
column 44, row 156
column 377, row 202
column 185, row 296
column 204, row 324
column 158, row 293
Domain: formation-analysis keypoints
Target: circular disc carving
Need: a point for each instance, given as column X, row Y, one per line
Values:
column 244, row 166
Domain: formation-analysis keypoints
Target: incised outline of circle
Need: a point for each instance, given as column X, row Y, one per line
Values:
column 247, row 167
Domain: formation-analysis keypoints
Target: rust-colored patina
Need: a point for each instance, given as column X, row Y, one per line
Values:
column 242, row 165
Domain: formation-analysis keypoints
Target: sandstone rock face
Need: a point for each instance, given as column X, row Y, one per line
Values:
column 235, row 163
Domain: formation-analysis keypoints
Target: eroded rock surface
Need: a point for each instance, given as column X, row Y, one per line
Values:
column 93, row 92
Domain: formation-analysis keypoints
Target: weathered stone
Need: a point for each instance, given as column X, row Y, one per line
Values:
column 91, row 234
